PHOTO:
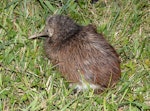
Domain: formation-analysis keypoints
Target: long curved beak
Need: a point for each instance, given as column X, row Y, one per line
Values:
column 37, row 36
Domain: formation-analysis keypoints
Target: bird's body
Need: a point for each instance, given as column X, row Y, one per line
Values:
column 84, row 57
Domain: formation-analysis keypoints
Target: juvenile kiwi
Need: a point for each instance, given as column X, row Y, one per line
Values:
column 82, row 55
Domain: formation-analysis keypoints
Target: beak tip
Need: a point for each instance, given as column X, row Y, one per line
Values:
column 37, row 35
column 32, row 37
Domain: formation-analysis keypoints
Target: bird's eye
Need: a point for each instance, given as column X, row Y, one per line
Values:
column 47, row 31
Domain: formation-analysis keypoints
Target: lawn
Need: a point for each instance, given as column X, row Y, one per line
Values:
column 28, row 80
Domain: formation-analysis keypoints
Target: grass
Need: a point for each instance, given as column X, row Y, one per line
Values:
column 28, row 81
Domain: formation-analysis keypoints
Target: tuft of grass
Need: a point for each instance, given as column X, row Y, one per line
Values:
column 28, row 80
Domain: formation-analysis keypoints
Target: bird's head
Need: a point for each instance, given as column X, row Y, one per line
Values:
column 58, row 28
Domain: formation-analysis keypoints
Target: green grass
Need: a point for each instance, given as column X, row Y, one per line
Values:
column 28, row 81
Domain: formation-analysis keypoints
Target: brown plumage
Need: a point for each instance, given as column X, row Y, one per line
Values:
column 83, row 56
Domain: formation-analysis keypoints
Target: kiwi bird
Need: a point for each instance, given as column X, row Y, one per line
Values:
column 82, row 55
